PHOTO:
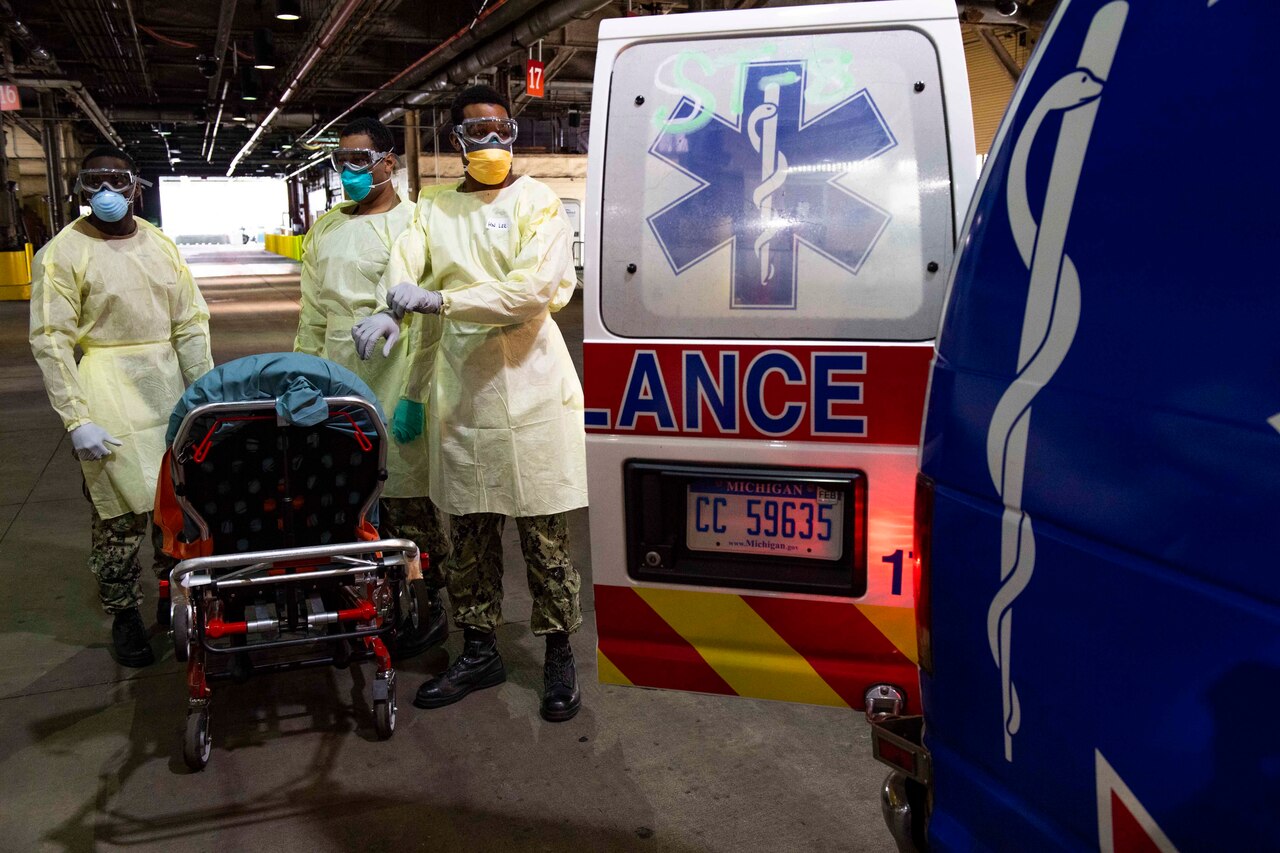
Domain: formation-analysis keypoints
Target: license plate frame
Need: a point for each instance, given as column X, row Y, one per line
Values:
column 658, row 548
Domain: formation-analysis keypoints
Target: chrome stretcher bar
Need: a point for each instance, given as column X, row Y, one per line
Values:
column 395, row 552
column 197, row 573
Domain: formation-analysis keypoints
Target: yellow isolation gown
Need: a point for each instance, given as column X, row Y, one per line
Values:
column 133, row 308
column 504, row 404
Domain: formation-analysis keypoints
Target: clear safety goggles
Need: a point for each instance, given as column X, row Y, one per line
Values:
column 358, row 160
column 119, row 180
column 485, row 131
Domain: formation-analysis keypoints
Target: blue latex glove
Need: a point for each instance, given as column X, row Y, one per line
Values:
column 406, row 297
column 408, row 421
column 372, row 329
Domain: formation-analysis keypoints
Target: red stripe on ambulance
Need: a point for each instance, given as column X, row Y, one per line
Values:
column 646, row 649
column 825, row 633
column 864, row 394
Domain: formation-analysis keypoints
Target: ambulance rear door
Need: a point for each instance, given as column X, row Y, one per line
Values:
column 773, row 199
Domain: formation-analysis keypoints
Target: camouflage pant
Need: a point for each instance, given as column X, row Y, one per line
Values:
column 416, row 519
column 114, row 558
column 474, row 571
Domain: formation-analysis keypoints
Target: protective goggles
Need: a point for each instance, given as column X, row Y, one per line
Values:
column 486, row 131
column 119, row 180
column 358, row 160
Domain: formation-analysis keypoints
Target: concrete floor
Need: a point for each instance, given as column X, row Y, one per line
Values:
column 90, row 754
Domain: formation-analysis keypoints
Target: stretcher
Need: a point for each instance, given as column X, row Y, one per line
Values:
column 281, row 566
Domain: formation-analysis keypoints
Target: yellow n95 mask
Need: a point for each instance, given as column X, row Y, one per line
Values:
column 488, row 165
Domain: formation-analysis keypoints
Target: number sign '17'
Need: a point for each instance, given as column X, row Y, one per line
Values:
column 534, row 82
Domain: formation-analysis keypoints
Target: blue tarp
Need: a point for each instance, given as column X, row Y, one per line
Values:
column 295, row 381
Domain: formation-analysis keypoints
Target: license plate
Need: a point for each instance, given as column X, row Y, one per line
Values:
column 781, row 517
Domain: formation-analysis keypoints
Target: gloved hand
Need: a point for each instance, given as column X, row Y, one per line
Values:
column 89, row 441
column 409, row 297
column 370, row 330
column 408, row 420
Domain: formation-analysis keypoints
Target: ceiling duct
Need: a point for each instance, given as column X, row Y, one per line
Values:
column 517, row 39
column 44, row 59
column 490, row 20
column 329, row 33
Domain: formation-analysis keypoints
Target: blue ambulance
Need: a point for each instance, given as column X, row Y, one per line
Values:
column 1098, row 507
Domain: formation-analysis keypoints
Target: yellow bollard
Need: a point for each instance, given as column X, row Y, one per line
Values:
column 15, row 274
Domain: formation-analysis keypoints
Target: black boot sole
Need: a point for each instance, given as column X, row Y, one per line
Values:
column 563, row 716
column 491, row 680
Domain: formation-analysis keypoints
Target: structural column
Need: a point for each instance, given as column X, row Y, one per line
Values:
column 412, row 148
column 52, row 142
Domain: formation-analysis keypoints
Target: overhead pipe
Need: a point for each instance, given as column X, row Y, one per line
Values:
column 440, row 53
column 998, row 50
column 330, row 32
column 507, row 43
column 39, row 55
column 222, row 39
column 114, row 78
column 137, row 44
column 78, row 95
column 217, row 123
column 172, row 116
column 25, row 126
column 43, row 58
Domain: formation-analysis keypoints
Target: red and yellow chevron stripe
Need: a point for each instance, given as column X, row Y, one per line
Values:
column 796, row 650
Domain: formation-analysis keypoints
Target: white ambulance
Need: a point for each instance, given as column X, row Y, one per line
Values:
column 773, row 202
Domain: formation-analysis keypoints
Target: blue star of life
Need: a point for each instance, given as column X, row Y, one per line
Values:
column 767, row 183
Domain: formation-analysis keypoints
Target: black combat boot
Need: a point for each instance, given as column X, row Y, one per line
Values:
column 479, row 666
column 424, row 626
column 561, row 698
column 129, row 638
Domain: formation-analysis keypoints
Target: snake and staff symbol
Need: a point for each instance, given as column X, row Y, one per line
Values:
column 1049, row 322
column 762, row 127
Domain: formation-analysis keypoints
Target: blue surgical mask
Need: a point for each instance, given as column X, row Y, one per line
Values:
column 358, row 185
column 109, row 205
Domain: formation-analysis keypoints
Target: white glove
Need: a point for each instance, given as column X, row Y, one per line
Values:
column 409, row 297
column 370, row 330
column 89, row 441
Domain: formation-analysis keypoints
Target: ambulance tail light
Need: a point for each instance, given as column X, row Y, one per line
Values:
column 923, row 571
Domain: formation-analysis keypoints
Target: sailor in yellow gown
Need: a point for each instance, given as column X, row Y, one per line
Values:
column 503, row 401
column 343, row 259
column 116, row 287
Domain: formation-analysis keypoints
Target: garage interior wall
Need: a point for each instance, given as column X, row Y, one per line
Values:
column 990, row 85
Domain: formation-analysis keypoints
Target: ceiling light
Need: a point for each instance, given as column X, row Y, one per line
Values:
column 288, row 10
column 264, row 49
column 249, row 87
column 239, row 115
column 1007, row 8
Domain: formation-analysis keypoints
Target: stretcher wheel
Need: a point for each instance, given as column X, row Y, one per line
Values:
column 384, row 711
column 196, row 744
column 419, row 604
column 182, row 633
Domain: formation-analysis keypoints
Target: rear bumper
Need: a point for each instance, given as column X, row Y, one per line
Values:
column 899, row 816
column 904, row 797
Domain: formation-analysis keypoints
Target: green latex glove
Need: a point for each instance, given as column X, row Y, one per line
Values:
column 408, row 420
